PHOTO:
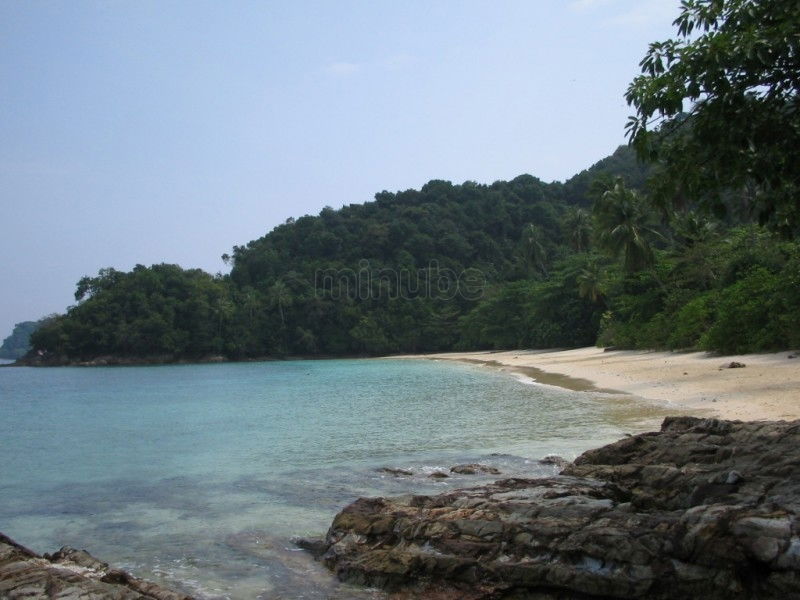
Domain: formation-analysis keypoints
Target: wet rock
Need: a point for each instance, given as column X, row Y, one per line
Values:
column 70, row 574
column 395, row 472
column 702, row 509
column 438, row 475
column 555, row 460
column 315, row 547
column 733, row 478
column 474, row 468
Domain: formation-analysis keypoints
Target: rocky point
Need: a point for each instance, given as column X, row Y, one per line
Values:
column 704, row 508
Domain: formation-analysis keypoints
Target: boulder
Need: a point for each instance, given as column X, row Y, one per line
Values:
column 702, row 509
column 70, row 574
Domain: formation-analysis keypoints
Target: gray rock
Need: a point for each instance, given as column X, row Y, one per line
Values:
column 69, row 574
column 395, row 472
column 702, row 509
column 473, row 468
column 555, row 460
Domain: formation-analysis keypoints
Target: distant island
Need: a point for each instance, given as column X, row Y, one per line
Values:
column 18, row 343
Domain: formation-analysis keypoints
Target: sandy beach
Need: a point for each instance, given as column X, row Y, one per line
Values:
column 767, row 388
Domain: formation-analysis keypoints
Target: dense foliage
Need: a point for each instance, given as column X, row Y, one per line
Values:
column 162, row 311
column 718, row 107
column 508, row 265
column 412, row 271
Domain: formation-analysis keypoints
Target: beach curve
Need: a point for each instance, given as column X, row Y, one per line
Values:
column 766, row 388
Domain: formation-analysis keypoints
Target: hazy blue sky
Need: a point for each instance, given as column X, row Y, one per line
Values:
column 144, row 132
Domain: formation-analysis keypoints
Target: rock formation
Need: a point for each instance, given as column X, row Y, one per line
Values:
column 473, row 468
column 69, row 574
column 702, row 509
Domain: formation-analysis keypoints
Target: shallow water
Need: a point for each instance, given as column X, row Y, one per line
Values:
column 199, row 475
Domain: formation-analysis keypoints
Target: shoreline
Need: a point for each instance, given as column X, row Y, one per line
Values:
column 156, row 361
column 767, row 388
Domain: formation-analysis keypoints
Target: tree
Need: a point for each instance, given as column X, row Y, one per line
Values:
column 623, row 227
column 717, row 107
column 280, row 297
column 577, row 226
column 590, row 282
column 534, row 253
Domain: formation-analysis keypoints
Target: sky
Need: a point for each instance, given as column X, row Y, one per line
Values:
column 142, row 131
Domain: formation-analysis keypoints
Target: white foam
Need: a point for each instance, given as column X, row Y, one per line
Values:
column 525, row 379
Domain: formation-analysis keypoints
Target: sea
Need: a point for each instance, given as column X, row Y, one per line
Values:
column 201, row 476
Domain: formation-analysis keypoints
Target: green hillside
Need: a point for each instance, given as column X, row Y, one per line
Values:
column 408, row 269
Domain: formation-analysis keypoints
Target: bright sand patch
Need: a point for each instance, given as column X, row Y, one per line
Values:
column 768, row 387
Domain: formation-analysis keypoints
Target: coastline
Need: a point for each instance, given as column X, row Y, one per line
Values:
column 767, row 388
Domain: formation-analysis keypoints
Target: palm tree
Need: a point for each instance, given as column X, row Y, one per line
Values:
column 249, row 302
column 590, row 282
column 577, row 226
column 280, row 297
column 624, row 227
column 534, row 254
column 223, row 309
column 692, row 229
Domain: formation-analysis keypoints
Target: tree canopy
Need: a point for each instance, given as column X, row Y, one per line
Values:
column 717, row 109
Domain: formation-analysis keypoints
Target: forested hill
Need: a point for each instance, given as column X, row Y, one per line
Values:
column 457, row 225
column 508, row 265
column 406, row 266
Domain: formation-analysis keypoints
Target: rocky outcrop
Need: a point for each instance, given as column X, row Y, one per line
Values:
column 69, row 574
column 702, row 509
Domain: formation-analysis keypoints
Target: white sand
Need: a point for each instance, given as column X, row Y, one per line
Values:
column 767, row 388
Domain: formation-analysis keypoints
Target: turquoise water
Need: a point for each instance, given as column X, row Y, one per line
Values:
column 200, row 475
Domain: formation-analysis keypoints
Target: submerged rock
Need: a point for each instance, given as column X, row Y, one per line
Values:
column 474, row 468
column 70, row 574
column 395, row 472
column 554, row 460
column 702, row 509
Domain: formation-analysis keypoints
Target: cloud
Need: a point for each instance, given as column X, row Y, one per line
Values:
column 342, row 68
